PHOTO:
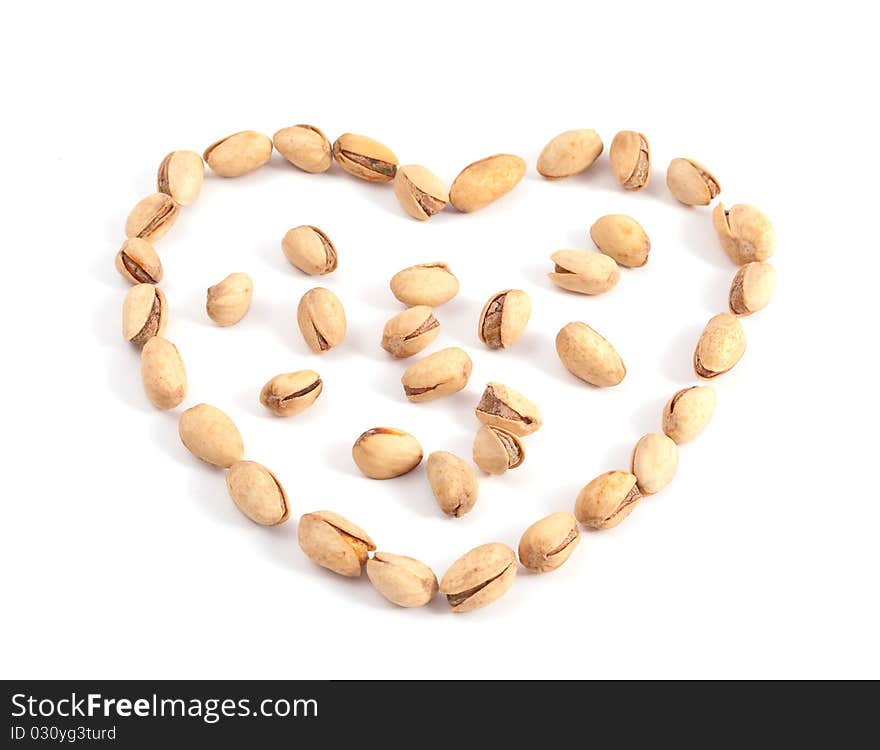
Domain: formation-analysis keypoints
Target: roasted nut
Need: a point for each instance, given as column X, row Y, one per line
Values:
column 589, row 356
column 239, row 154
column 479, row 577
column 402, row 580
column 181, row 174
column 504, row 318
column 209, row 434
column 752, row 288
column 691, row 183
column 453, row 482
column 409, row 332
column 630, row 158
column 310, row 250
column 654, row 462
column 138, row 262
column 548, row 543
column 421, row 193
column 569, row 153
column 304, row 146
column 503, row 407
column 229, row 301
column 496, row 450
column 385, row 453
column 607, row 500
column 321, row 319
column 721, row 345
column 334, row 542
column 584, row 271
column 163, row 373
column 152, row 217
column 431, row 284
column 144, row 313
column 365, row 158
column 257, row 493
column 291, row 393
column 745, row 233
column 485, row 181
column 623, row 238
column 439, row 374
column 688, row 412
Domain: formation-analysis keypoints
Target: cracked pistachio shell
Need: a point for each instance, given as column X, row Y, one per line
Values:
column 163, row 373
column 152, row 217
column 304, row 146
column 310, row 250
column 623, row 238
column 607, row 500
column 334, row 542
column 479, row 577
column 654, row 462
column 691, row 183
column 228, row 302
column 144, row 313
column 569, row 153
column 548, row 543
column 321, row 319
column 745, row 233
column 385, row 453
column 453, row 482
column 439, row 374
column 365, row 158
column 504, row 318
column 688, row 412
column 630, row 157
column 496, row 450
column 210, row 435
column 291, row 393
column 239, row 154
column 181, row 174
column 403, row 581
column 485, row 181
column 257, row 493
column 421, row 193
column 584, row 271
column 431, row 284
column 504, row 407
column 138, row 262
column 752, row 288
column 589, row 356
column 721, row 345
column 409, row 332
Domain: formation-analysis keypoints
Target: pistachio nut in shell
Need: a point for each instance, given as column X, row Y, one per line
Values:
column 504, row 407
column 386, row 452
column 152, row 217
column 745, row 233
column 239, row 154
column 180, row 175
column 688, row 412
column 496, row 450
column 365, row 158
column 569, row 153
column 584, row 271
column 623, row 238
column 607, row 500
column 210, row 435
column 321, row 319
column 431, row 284
column 229, row 300
column 334, row 542
column 163, row 373
column 310, row 250
column 421, row 193
column 144, row 313
column 589, row 356
column 630, row 157
column 138, row 262
column 453, row 482
column 504, row 318
column 304, row 146
column 439, row 374
column 257, row 493
column 752, row 288
column 548, row 543
column 691, row 183
column 291, row 393
column 479, row 577
column 721, row 345
column 485, row 181
column 403, row 581
column 654, row 462
column 410, row 331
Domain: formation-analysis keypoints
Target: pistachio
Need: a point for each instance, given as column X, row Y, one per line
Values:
column 304, row 146
column 291, row 393
column 403, row 581
column 496, row 450
column 479, row 577
column 365, row 158
column 163, row 373
column 485, row 181
column 431, row 284
column 752, row 288
column 385, row 453
column 503, row 407
column 691, row 183
column 439, row 374
column 152, row 217
column 688, row 412
column 721, row 345
column 138, row 262
column 310, row 250
column 623, row 238
column 210, row 435
column 239, row 154
column 504, row 318
column 548, row 543
column 584, row 271
column 334, row 542
column 654, row 462
column 229, row 301
column 409, row 332
column 321, row 319
column 607, row 500
column 257, row 493
column 630, row 158
column 144, row 313
column 589, row 356
column 745, row 233
column 453, row 482
column 181, row 174
column 421, row 193
column 569, row 153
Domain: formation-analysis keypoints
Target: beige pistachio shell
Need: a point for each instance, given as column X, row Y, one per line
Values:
column 180, row 175
column 334, row 542
column 479, row 577
column 453, row 482
column 385, row 453
column 403, row 581
column 144, row 313
column 439, row 374
column 630, row 157
column 623, row 238
column 508, row 409
column 691, row 183
column 321, row 319
column 304, row 146
column 239, row 154
column 210, row 435
column 721, row 345
column 745, row 233
column 228, row 301
column 485, row 181
column 409, row 332
column 548, row 543
column 504, row 318
column 654, row 462
column 365, row 158
column 496, row 450
column 607, row 500
column 589, row 356
column 163, row 373
column 257, row 493
column 431, row 284
column 291, row 393
column 584, row 271
column 310, row 250
column 138, row 262
column 752, row 288
column 688, row 412
column 569, row 153
column 152, row 217
column 421, row 193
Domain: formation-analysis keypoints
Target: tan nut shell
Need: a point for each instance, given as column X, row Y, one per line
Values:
column 321, row 319
column 623, row 238
column 691, row 183
column 548, row 543
column 385, row 453
column 365, row 158
column 403, row 581
column 630, row 157
column 479, row 577
column 334, row 542
column 439, row 374
column 409, row 332
column 239, row 154
column 589, row 356
column 508, row 409
column 721, row 345
column 607, row 500
column 569, row 153
column 431, row 284
column 504, row 318
column 752, row 288
column 584, row 271
column 180, row 175
column 485, row 181
column 291, row 393
column 496, row 450
column 144, row 313
column 152, row 217
column 453, row 482
column 654, row 462
column 421, row 193
column 163, row 373
column 304, row 146
column 745, row 233
column 229, row 300
column 257, row 493
column 209, row 434
column 138, row 262
column 310, row 250
column 688, row 412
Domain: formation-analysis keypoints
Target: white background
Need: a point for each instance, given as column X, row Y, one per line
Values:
column 122, row 555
